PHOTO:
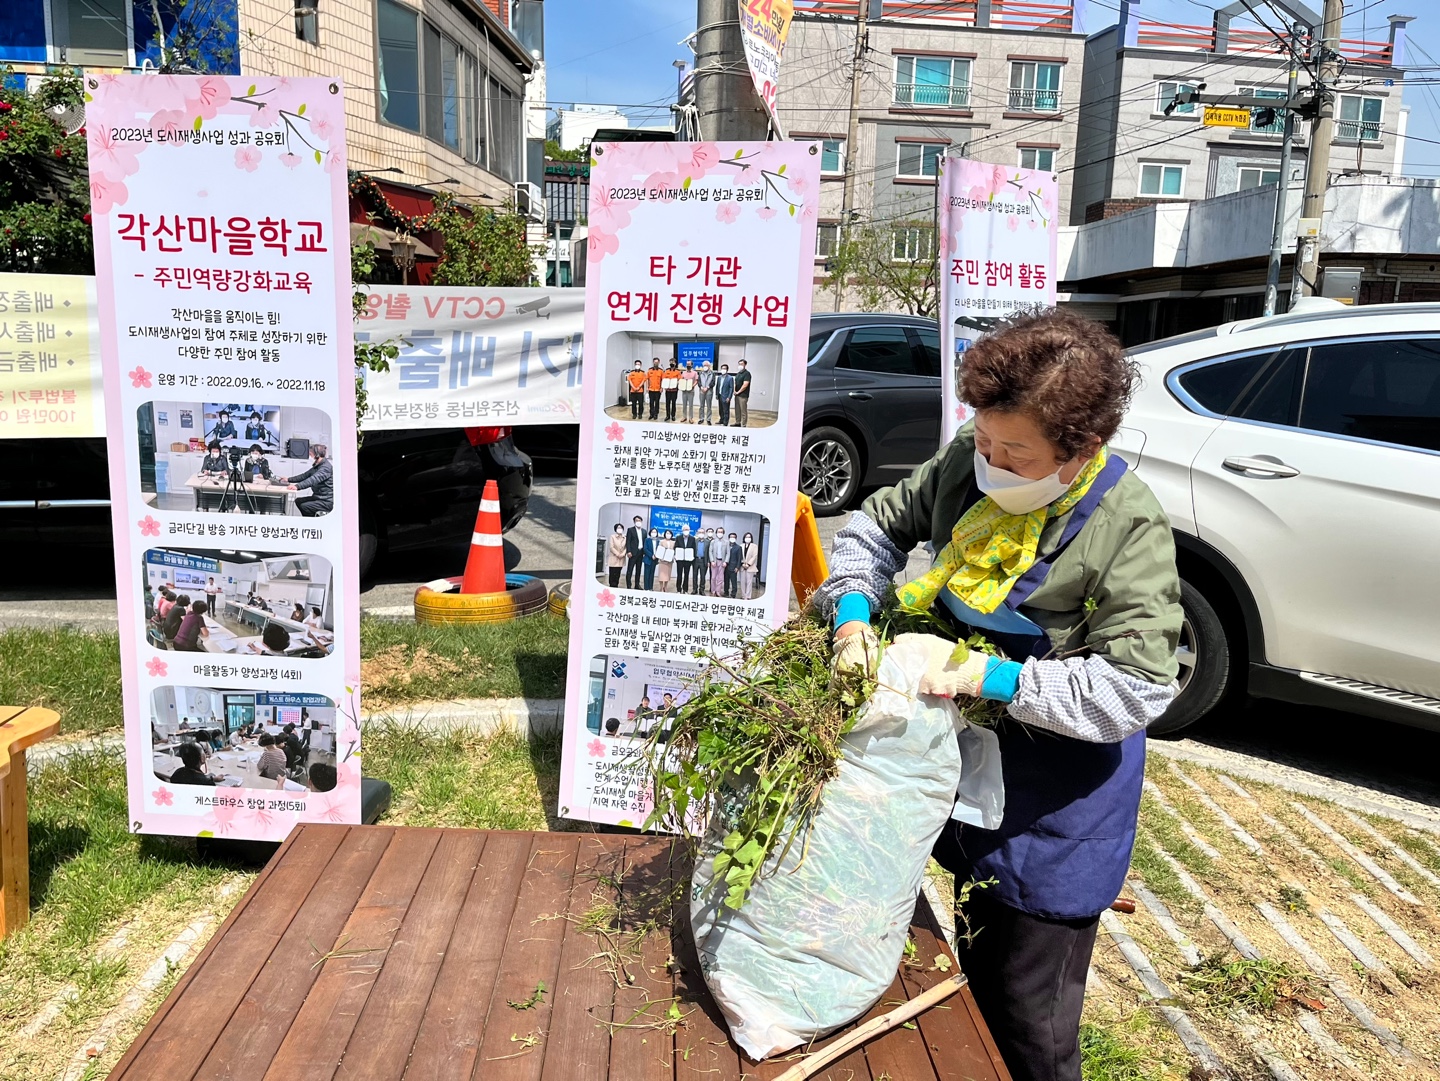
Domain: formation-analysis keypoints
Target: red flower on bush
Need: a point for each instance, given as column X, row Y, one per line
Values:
column 86, row 219
column 59, row 151
column 4, row 135
column 5, row 106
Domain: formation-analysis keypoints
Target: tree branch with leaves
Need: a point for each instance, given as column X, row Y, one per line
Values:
column 867, row 264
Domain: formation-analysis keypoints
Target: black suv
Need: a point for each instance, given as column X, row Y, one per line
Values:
column 872, row 404
column 419, row 488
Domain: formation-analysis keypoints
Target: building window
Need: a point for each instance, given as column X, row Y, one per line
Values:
column 941, row 81
column 399, row 65
column 918, row 160
column 1275, row 127
column 1037, row 157
column 90, row 31
column 832, row 157
column 827, row 239
column 911, row 243
column 1165, row 94
column 1034, row 87
column 307, row 21
column 430, row 83
column 1162, row 179
column 1358, row 118
column 1257, row 176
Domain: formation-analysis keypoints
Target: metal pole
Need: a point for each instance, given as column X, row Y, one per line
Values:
column 725, row 97
column 852, row 131
column 1322, row 134
column 1282, row 189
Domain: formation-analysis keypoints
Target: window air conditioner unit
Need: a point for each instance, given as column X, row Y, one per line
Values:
column 529, row 202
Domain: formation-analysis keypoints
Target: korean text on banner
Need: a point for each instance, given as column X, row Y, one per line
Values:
column 997, row 256
column 49, row 373
column 473, row 357
column 684, row 524
column 764, row 26
column 222, row 278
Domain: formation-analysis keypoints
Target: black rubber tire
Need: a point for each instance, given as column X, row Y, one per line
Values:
column 1210, row 671
column 829, row 470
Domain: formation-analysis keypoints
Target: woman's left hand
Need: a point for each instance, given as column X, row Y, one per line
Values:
column 950, row 669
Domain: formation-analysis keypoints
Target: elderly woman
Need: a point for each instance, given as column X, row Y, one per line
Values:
column 1046, row 545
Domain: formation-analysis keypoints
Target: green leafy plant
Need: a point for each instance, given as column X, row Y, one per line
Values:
column 530, row 1003
column 1262, row 985
column 369, row 356
column 484, row 248
column 44, row 184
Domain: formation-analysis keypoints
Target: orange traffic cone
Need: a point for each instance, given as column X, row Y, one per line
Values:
column 485, row 569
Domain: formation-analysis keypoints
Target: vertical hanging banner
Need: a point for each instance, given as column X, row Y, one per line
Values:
column 222, row 280
column 997, row 256
column 764, row 26
column 697, row 312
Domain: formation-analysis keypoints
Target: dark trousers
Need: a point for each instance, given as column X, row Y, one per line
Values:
column 670, row 397
column 614, row 577
column 702, row 575
column 311, row 507
column 732, row 577
column 637, row 405
column 633, row 565
column 655, row 405
column 724, row 410
column 1028, row 977
column 682, row 577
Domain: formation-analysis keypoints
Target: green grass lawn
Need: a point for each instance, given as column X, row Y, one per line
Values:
column 78, row 672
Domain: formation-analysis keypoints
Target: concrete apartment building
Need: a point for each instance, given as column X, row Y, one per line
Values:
column 435, row 90
column 1130, row 154
column 996, row 79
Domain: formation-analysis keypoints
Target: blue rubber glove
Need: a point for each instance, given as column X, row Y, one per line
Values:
column 1001, row 680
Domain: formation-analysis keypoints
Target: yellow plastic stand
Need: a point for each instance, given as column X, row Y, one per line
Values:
column 809, row 568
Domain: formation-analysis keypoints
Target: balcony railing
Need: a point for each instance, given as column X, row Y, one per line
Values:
column 1358, row 130
column 945, row 97
column 1003, row 14
column 1186, row 37
column 1034, row 101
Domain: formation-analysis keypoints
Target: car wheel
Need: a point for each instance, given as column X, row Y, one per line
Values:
column 1204, row 655
column 829, row 469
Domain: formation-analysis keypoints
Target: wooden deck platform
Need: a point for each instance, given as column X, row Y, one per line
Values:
column 381, row 953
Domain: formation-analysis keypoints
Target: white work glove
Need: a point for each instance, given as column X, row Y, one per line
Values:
column 944, row 676
column 858, row 651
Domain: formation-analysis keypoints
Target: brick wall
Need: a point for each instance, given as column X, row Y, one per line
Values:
column 347, row 49
column 1112, row 208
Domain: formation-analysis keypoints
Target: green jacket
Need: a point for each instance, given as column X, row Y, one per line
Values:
column 1124, row 559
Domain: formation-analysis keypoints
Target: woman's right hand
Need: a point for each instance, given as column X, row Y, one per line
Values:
column 856, row 648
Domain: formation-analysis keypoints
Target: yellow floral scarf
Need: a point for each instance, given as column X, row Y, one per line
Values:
column 989, row 550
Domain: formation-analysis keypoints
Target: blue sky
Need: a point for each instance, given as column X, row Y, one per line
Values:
column 620, row 53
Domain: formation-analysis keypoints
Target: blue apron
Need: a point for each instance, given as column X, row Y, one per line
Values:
column 1064, row 846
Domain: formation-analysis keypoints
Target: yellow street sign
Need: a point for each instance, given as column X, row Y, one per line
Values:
column 1219, row 116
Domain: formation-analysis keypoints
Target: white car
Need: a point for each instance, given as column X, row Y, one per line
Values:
column 1299, row 460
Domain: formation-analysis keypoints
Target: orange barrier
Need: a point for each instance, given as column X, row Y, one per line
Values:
column 485, row 568
column 809, row 568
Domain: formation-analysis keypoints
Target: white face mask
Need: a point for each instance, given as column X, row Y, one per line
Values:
column 1013, row 493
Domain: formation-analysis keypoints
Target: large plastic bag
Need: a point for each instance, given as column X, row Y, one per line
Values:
column 819, row 938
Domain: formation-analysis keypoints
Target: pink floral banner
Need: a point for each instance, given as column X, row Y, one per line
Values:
column 697, row 315
column 222, row 285
column 997, row 256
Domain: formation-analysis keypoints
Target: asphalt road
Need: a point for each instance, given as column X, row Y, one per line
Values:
column 1392, row 763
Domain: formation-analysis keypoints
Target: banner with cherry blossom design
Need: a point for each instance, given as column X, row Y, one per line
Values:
column 998, row 233
column 222, row 277
column 697, row 314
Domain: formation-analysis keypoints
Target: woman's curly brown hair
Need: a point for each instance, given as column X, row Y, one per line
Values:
column 1068, row 373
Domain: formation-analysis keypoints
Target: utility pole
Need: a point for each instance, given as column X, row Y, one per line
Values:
column 852, row 131
column 728, row 107
column 1282, row 189
column 1322, row 134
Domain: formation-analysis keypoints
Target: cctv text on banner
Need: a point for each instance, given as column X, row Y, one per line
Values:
column 49, row 372
column 222, row 271
column 764, row 26
column 473, row 356
column 997, row 256
column 684, row 523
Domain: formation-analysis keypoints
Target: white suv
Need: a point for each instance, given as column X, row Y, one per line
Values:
column 1299, row 460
